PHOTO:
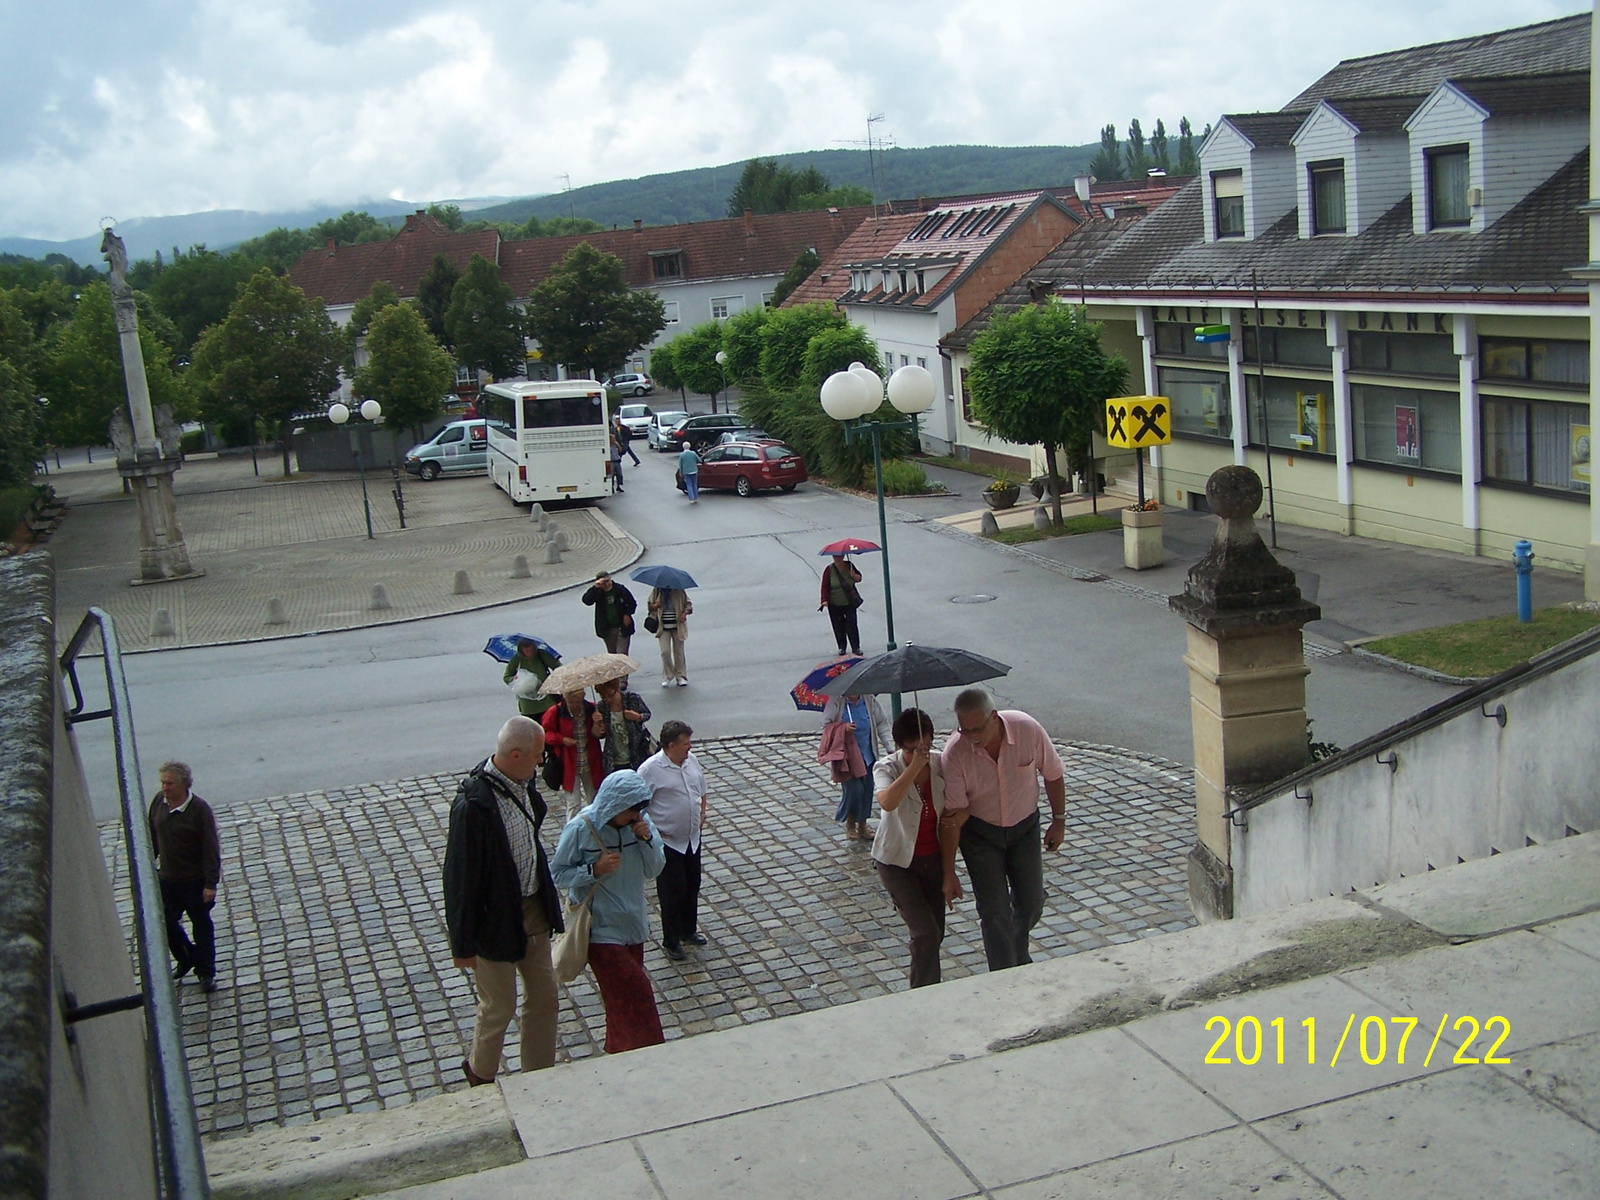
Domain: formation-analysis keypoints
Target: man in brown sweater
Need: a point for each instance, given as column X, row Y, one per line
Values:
column 190, row 865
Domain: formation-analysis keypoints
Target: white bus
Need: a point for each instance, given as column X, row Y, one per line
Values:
column 548, row 441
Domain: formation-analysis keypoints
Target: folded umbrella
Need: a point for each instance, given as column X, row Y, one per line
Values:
column 588, row 672
column 914, row 669
column 848, row 546
column 806, row 695
column 503, row 647
column 665, row 578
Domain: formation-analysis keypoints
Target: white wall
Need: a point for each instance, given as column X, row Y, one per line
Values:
column 1445, row 119
column 914, row 334
column 1269, row 190
column 1383, row 176
column 1324, row 137
column 1225, row 150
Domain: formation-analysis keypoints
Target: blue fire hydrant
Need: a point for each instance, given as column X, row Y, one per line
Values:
column 1522, row 556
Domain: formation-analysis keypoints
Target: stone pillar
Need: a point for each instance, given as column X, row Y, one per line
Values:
column 1247, row 671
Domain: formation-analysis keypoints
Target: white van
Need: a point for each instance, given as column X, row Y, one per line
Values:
column 460, row 448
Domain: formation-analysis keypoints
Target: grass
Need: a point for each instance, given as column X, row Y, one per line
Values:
column 1477, row 649
column 972, row 468
column 1088, row 523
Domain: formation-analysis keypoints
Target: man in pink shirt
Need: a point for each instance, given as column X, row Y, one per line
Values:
column 992, row 769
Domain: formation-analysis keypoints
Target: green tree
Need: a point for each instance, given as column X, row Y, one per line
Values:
column 846, row 195
column 275, row 354
column 806, row 262
column 448, row 215
column 784, row 339
column 381, row 296
column 664, row 370
column 21, row 442
column 1188, row 160
column 765, row 187
column 483, row 323
column 1107, row 162
column 1138, row 162
column 277, row 248
column 586, row 316
column 434, row 292
column 554, row 227
column 196, row 290
column 1160, row 156
column 1040, row 376
column 741, row 338
column 351, row 229
column 694, row 358
column 407, row 371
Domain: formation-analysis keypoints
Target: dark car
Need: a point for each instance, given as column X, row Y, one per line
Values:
column 747, row 435
column 750, row 467
column 702, row 431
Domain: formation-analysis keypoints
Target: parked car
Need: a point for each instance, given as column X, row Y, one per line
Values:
column 632, row 383
column 747, row 435
column 702, row 431
column 636, row 417
column 660, row 425
column 460, row 448
column 750, row 467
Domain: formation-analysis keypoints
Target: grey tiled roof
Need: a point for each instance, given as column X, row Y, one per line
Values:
column 1530, row 249
column 1377, row 114
column 1511, row 96
column 1548, row 48
column 1267, row 129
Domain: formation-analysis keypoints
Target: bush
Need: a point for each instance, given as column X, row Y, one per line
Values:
column 194, row 442
column 901, row 478
column 15, row 503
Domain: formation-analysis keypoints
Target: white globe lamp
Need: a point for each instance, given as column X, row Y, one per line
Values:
column 873, row 383
column 911, row 390
column 844, row 395
column 371, row 410
column 338, row 413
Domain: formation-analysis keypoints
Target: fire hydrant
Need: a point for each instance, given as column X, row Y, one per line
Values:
column 1522, row 556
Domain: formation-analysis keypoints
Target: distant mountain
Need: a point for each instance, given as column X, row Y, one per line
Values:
column 702, row 194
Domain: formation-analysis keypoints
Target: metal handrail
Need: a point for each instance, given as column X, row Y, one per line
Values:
column 180, row 1161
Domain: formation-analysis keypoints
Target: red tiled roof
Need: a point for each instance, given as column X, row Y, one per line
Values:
column 344, row 274
column 873, row 238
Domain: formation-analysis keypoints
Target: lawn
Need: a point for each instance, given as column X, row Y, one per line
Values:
column 1088, row 523
column 1481, row 648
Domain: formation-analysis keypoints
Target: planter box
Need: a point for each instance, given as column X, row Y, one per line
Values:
column 1005, row 499
column 1141, row 539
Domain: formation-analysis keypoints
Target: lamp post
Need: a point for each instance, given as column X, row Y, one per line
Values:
column 850, row 396
column 722, row 365
column 339, row 414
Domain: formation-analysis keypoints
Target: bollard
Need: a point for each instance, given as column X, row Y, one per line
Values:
column 1522, row 556
column 519, row 567
column 463, row 585
column 559, row 537
column 552, row 551
column 537, row 513
column 275, row 613
column 380, row 597
column 989, row 526
column 1041, row 519
column 161, row 624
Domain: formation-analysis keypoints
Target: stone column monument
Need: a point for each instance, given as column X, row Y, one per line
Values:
column 147, row 443
column 1247, row 678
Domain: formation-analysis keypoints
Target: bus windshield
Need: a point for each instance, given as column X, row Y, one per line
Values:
column 559, row 411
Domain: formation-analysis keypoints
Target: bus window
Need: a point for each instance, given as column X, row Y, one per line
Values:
column 499, row 409
column 558, row 411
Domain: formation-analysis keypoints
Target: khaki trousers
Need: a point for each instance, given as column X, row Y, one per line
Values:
column 673, row 664
column 497, row 1001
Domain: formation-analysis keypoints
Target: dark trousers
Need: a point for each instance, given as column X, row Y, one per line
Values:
column 845, row 630
column 1006, row 866
column 918, row 895
column 617, row 640
column 678, row 889
column 183, row 899
column 632, row 1019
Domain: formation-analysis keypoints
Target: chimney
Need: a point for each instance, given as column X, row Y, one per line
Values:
column 1080, row 188
column 749, row 223
column 638, row 225
column 330, row 247
column 1154, row 176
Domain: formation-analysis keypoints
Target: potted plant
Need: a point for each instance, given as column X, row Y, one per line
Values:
column 1043, row 488
column 1001, row 493
column 1141, row 536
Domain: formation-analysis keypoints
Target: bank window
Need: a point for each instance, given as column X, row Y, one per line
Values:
column 1327, row 197
column 1447, row 188
column 1407, row 427
column 1201, row 404
column 1177, row 341
column 1299, row 347
column 1404, row 354
column 1546, row 445
column 1227, row 192
column 1560, row 363
column 1297, row 416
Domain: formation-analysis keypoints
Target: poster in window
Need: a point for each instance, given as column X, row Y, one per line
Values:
column 1208, row 405
column 1313, row 422
column 1582, row 454
column 1407, row 432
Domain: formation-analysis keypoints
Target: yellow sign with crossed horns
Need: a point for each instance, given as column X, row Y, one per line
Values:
column 1133, row 422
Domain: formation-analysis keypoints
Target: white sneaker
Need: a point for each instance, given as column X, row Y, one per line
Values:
column 668, row 682
column 683, row 681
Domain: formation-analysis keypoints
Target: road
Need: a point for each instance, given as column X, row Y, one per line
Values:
column 1093, row 663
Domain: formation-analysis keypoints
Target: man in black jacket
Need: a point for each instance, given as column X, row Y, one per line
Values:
column 613, row 612
column 500, row 904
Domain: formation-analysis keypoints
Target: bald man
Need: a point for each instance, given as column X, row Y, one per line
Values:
column 501, row 906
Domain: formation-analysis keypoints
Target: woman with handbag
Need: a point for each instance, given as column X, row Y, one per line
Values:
column 526, row 674
column 841, row 598
column 906, row 849
column 605, row 855
column 668, row 619
column 574, row 753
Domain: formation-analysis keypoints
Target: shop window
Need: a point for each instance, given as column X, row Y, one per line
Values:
column 1291, row 346
column 1407, row 427
column 1327, row 197
column 1561, row 364
column 1227, row 192
column 1541, row 444
column 1404, row 354
column 1298, row 416
column 1177, row 341
column 1447, row 188
column 1201, row 404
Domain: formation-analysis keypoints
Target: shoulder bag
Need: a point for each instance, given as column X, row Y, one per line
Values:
column 569, row 955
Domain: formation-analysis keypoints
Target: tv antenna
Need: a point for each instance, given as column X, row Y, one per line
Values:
column 568, row 190
column 872, row 144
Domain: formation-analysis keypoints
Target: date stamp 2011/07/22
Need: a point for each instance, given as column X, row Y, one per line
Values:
column 1247, row 1042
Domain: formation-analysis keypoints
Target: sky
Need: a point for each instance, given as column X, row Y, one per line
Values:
column 159, row 107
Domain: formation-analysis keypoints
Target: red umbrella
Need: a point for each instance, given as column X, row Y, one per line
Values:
column 848, row 546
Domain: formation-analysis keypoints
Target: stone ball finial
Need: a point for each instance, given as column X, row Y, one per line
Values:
column 1233, row 492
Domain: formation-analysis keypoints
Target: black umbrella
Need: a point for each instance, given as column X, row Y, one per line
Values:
column 915, row 669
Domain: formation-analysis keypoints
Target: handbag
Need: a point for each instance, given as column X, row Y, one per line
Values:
column 552, row 769
column 651, row 625
column 570, row 953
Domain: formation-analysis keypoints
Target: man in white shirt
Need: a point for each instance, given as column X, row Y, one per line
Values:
column 678, row 807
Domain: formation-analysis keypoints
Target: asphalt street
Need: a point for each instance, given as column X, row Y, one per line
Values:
column 1092, row 662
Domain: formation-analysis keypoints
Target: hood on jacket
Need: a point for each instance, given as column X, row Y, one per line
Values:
column 620, row 791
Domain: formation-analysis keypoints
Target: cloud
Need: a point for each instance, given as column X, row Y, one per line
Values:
column 155, row 108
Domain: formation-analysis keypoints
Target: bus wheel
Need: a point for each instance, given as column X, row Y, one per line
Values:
column 742, row 486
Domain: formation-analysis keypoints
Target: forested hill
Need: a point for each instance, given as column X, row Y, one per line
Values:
column 702, row 194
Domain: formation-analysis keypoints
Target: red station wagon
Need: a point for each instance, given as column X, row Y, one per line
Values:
column 748, row 467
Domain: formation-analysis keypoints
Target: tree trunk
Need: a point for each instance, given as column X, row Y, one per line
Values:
column 283, row 442
column 1055, row 480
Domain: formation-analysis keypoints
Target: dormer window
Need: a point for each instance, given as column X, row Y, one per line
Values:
column 1327, row 197
column 1227, row 192
column 1447, row 188
column 668, row 263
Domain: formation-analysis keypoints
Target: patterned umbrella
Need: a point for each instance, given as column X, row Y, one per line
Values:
column 503, row 647
column 588, row 672
column 807, row 695
column 848, row 546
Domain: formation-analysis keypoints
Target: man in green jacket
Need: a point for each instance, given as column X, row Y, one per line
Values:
column 613, row 607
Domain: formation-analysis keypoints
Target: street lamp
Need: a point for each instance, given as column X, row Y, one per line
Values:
column 339, row 414
column 722, row 365
column 850, row 396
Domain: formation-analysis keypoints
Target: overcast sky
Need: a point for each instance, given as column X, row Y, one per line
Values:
column 157, row 107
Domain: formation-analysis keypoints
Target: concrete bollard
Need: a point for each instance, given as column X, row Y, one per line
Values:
column 552, row 551
column 1041, row 519
column 275, row 613
column 559, row 537
column 519, row 567
column 989, row 526
column 536, row 514
column 380, row 597
column 161, row 624
column 463, row 585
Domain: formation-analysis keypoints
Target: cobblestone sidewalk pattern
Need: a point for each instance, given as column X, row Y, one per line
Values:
column 337, row 994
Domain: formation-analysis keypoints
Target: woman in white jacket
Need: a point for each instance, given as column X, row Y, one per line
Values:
column 910, row 790
column 871, row 730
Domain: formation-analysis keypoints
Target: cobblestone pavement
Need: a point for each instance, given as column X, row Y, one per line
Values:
column 337, row 993
column 303, row 540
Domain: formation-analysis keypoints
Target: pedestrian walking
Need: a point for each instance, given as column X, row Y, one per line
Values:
column 670, row 607
column 678, row 808
column 569, row 735
column 616, row 462
column 841, row 598
column 606, row 853
column 625, row 440
column 992, row 769
column 689, row 468
column 500, row 902
column 614, row 607
column 526, row 673
column 618, row 726
column 863, row 719
column 189, row 865
column 906, row 850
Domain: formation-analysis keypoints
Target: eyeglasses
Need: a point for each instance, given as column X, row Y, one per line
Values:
column 972, row 730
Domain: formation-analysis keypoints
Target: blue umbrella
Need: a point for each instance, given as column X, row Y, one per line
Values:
column 807, row 694
column 503, row 647
column 665, row 578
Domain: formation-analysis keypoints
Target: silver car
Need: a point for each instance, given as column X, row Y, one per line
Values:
column 632, row 383
column 656, row 433
column 636, row 417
